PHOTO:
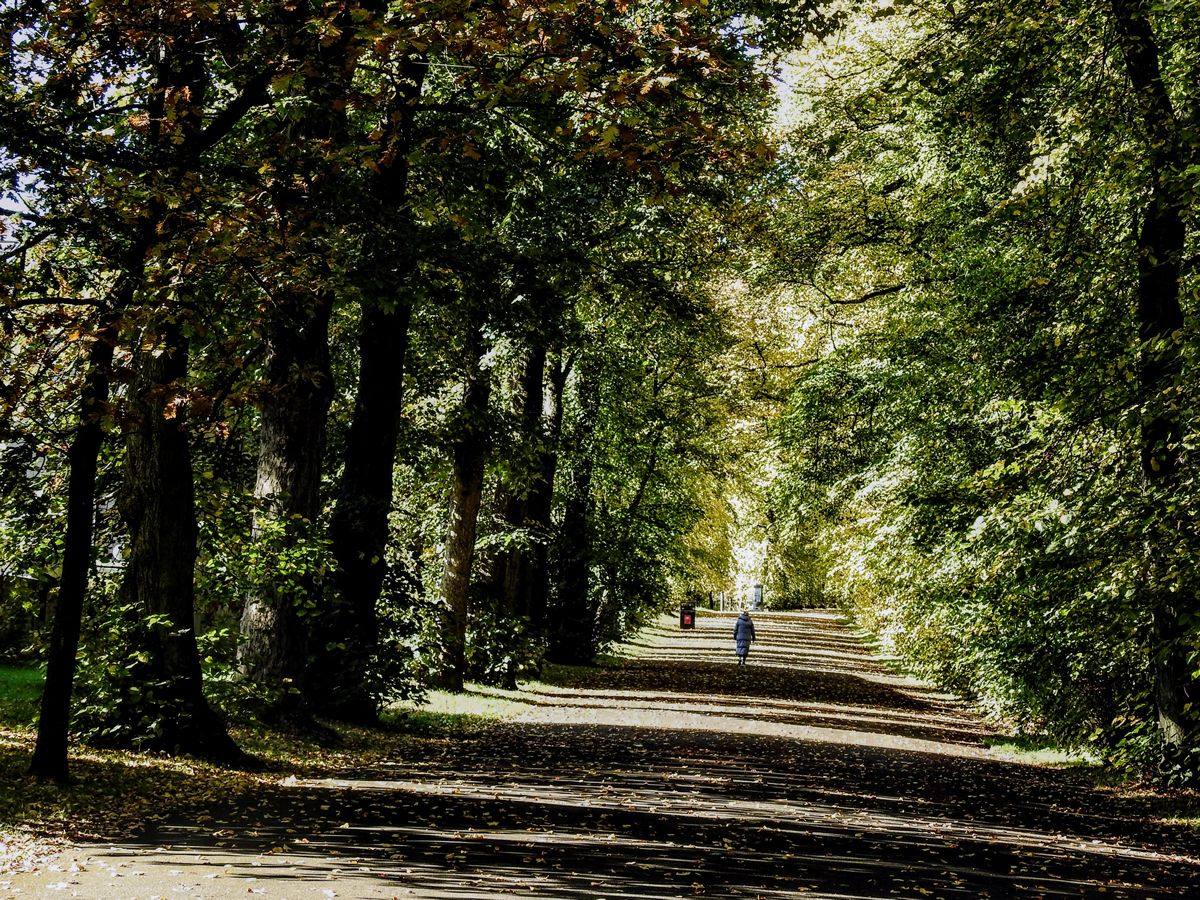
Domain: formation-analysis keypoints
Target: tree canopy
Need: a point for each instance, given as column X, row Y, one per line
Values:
column 358, row 347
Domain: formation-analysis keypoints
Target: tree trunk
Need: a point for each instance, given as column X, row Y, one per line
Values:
column 50, row 758
column 1160, row 247
column 573, row 625
column 469, row 454
column 631, row 512
column 533, row 594
column 158, row 504
column 510, row 566
column 183, row 78
column 287, row 491
column 358, row 529
column 298, row 381
column 512, row 503
column 50, row 754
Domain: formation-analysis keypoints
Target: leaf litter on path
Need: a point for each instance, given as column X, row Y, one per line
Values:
column 812, row 772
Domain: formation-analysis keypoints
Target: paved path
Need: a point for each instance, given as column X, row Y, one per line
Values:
column 811, row 773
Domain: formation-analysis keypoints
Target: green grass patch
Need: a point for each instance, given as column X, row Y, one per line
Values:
column 20, row 694
column 444, row 712
column 422, row 723
column 1184, row 813
column 609, row 661
column 1039, row 750
column 1187, row 815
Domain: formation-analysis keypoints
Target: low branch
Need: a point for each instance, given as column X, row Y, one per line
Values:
column 47, row 301
column 803, row 364
column 870, row 295
column 253, row 93
column 22, row 213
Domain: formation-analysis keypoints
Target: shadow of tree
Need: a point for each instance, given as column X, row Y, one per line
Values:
column 635, row 809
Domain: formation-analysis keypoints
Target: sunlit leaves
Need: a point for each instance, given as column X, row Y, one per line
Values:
column 964, row 456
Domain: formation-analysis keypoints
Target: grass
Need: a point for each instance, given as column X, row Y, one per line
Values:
column 1183, row 813
column 447, row 713
column 1038, row 750
column 20, row 693
column 444, row 713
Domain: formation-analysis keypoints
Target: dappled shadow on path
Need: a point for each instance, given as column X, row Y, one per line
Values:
column 674, row 776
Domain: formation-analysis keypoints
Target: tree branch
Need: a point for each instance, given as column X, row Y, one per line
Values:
column 870, row 295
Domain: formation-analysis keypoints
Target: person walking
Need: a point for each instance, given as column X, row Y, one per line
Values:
column 743, row 636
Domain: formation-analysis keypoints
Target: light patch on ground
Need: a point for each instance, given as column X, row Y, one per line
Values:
column 477, row 701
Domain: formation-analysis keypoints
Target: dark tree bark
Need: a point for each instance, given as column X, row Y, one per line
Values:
column 50, row 754
column 50, row 760
column 158, row 503
column 631, row 512
column 573, row 625
column 509, row 567
column 359, row 526
column 466, row 493
column 533, row 593
column 1160, row 246
column 512, row 500
column 297, row 378
column 180, row 140
column 287, row 490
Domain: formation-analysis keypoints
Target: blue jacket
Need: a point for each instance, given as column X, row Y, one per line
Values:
column 743, row 628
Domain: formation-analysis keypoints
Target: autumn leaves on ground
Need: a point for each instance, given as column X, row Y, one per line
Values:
column 667, row 773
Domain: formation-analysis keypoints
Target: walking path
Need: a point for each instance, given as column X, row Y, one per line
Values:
column 810, row 773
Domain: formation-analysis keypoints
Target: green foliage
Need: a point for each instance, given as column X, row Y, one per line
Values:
column 287, row 556
column 23, row 606
column 119, row 703
column 959, row 463
column 500, row 646
column 396, row 671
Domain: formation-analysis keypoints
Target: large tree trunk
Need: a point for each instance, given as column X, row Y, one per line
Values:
column 573, row 625
column 358, row 529
column 1160, row 247
column 359, row 526
column 287, row 491
column 158, row 504
column 50, row 754
column 469, row 455
column 298, row 382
